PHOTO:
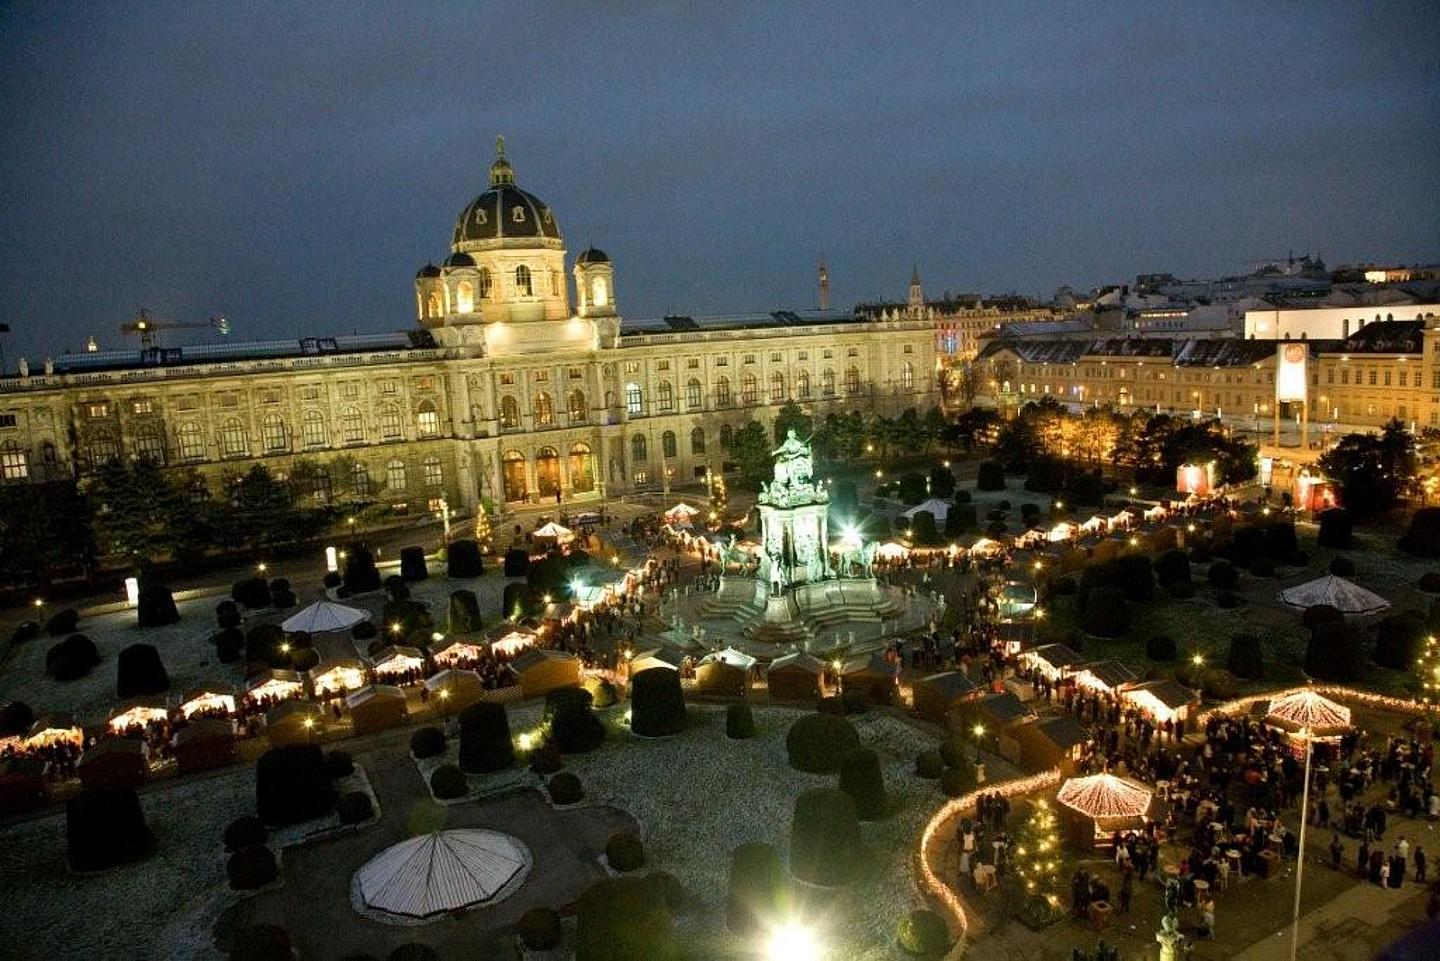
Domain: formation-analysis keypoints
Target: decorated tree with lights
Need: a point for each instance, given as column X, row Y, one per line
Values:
column 1037, row 862
column 1428, row 669
column 482, row 527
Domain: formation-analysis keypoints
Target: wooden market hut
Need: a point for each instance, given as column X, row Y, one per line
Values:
column 541, row 670
column 667, row 657
column 454, row 689
column 873, row 677
column 294, row 722
column 337, row 677
column 138, row 712
column 795, row 677
column 1107, row 677
column 211, row 696
column 1166, row 700
column 1053, row 661
column 376, row 707
column 274, row 683
column 724, row 673
column 53, row 728
column 995, row 712
column 936, row 697
column 1056, row 742
column 397, row 660
column 203, row 744
column 114, row 762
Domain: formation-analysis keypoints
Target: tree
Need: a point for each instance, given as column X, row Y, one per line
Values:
column 1372, row 471
column 44, row 528
column 750, row 447
column 141, row 512
column 1038, row 856
column 790, row 417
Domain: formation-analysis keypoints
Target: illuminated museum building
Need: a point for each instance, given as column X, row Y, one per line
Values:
column 505, row 390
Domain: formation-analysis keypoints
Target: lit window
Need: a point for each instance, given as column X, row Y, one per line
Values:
column 577, row 406
column 143, row 407
column 777, row 387
column 233, row 442
column 907, row 376
column 722, row 392
column 352, row 425
column 665, row 396
column 272, row 433
column 600, row 294
column 802, row 385
column 697, row 441
column 638, row 449
column 522, row 281
column 544, row 410
column 464, row 297
column 634, row 399
column 509, row 413
column 693, row 393
column 748, row 390
column 667, row 444
column 427, row 420
column 312, row 429
column 433, row 475
column 360, row 480
column 390, row 428
column 395, row 475
column 97, row 411
column 517, row 214
column 190, row 441
column 484, row 282
column 14, row 463
column 852, row 380
column 149, row 445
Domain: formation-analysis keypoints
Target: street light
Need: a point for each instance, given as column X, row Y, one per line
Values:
column 792, row 941
column 979, row 731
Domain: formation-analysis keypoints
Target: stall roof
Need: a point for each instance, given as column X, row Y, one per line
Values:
column 1111, row 673
column 1064, row 732
column 1004, row 707
column 1171, row 693
column 1056, row 655
column 798, row 661
column 950, row 683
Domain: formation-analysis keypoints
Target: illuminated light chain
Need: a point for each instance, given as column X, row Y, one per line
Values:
column 1402, row 705
column 1310, row 710
column 1104, row 796
column 937, row 889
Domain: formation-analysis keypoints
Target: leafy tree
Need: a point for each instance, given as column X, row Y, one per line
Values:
column 790, row 417
column 43, row 527
column 141, row 512
column 974, row 428
column 1373, row 471
column 1038, row 853
column 750, row 447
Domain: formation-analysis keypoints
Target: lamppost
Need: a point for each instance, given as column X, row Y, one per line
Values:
column 979, row 732
column 1300, row 859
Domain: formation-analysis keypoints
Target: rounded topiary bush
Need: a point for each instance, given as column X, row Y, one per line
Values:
column 1105, row 614
column 1337, row 529
column 861, row 778
column 602, row 692
column 305, row 659
column 546, row 759
column 825, row 847
column 517, row 562
column 739, row 722
column 1181, row 590
column 354, row 808
column 756, row 893
column 657, row 703
column 364, row 631
column 245, row 831
column 625, row 919
column 1228, row 600
column 331, row 580
column 412, row 564
column 1423, row 537
column 1334, row 653
column 1135, row 576
column 540, row 929
column 138, row 671
column 815, row 743
column 262, row 942
column 292, row 784
column 62, row 622
column 959, row 780
column 251, row 868
column 1222, row 574
column 229, row 645
column 1398, row 639
column 1247, row 657
column 929, row 765
column 339, row 764
column 485, row 743
column 448, row 782
column 924, row 934
column 566, row 698
column 105, row 827
column 990, row 477
column 954, row 752
column 1345, row 567
column 227, row 614
column 565, row 788
column 1172, row 567
column 464, row 559
column 251, row 592
column 16, row 718
column 1318, row 614
column 576, row 730
column 72, row 658
column 1160, row 648
column 427, row 742
column 625, row 851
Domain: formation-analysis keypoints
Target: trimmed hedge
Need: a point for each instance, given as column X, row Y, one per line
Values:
column 155, row 606
column 517, row 562
column 72, row 658
column 1429, row 582
column 262, row 942
column 540, row 929
column 1247, row 657
column 657, row 703
column 427, row 742
column 227, row 614
column 464, row 612
column 62, row 622
column 251, row 868
column 1334, row 653
column 447, row 781
column 1181, row 590
column 105, row 827
column 546, row 759
column 739, row 722
column 485, row 743
column 1345, row 567
column 1135, row 576
column 625, row 852
column 576, row 730
column 825, row 847
column 1172, row 567
column 625, row 919
column 1105, row 614
column 959, row 781
column 1423, row 537
column 924, row 934
column 16, row 718
column 1398, row 639
column 816, row 742
column 1318, row 614
column 929, row 765
column 293, row 785
column 1222, row 574
column 464, row 559
column 412, row 564
column 251, row 592
column 565, row 788
column 244, row 832
column 861, row 778
column 354, row 808
column 991, row 476
column 1262, row 566
column 360, row 573
column 756, row 894
column 138, row 671
column 339, row 764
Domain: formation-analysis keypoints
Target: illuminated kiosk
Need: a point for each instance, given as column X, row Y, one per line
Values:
column 795, row 595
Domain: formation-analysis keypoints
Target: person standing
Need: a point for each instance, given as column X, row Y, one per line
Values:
column 1419, row 864
column 1127, row 889
column 1337, row 851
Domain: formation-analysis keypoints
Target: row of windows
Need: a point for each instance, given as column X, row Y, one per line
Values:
column 750, row 389
column 776, row 357
column 466, row 292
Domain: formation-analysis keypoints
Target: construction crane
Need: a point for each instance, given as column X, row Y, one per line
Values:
column 148, row 327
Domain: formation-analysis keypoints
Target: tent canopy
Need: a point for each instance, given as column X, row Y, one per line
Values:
column 1308, row 710
column 730, row 656
column 681, row 512
column 1345, row 596
column 1105, row 796
column 431, row 874
column 324, row 616
column 555, row 531
column 934, row 505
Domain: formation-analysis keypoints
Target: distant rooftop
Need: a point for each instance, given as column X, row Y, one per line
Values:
column 775, row 320
column 230, row 352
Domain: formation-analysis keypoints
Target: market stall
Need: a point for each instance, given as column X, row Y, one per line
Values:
column 212, row 698
column 274, row 685
column 938, row 696
column 376, row 707
column 138, row 712
column 1101, row 804
column 1162, row 701
column 455, row 689
column 337, row 677
column 398, row 662
column 1052, row 661
column 725, row 672
column 795, row 677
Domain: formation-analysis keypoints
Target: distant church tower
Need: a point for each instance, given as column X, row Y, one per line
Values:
column 916, row 302
column 824, row 272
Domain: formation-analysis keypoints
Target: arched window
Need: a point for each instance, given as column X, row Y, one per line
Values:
column 390, row 428
column 827, row 382
column 233, row 442
column 599, row 292
column 907, row 375
column 852, row 380
column 697, row 441
column 190, row 441
column 777, row 387
column 352, row 425
column 634, row 400
column 485, row 282
column 512, row 475
column 725, row 436
column 433, row 475
column 312, row 429
column 432, row 305
column 722, row 392
column 523, row 286
column 667, row 444
column 464, row 297
column 694, row 394
column 320, row 486
column 748, row 392
column 360, row 480
column 802, row 385
column 544, row 410
column 509, row 413
column 427, row 419
column 395, row 475
column 149, row 444
column 577, row 407
column 14, row 462
column 638, row 449
column 665, row 395
column 272, row 433
column 582, row 469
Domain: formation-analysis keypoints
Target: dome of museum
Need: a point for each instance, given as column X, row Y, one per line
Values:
column 505, row 212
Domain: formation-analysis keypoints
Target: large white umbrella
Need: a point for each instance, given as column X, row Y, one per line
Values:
column 324, row 616
column 426, row 876
column 1345, row 596
column 935, row 506
column 554, row 530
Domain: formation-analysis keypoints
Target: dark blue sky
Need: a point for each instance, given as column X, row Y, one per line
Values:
column 292, row 165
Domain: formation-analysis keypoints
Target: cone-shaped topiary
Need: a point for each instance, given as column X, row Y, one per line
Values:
column 625, row 919
column 929, row 765
column 427, row 742
column 412, row 564
column 485, row 743
column 245, row 831
column 815, row 743
column 155, row 606
column 262, row 942
column 104, row 827
column 72, row 658
column 540, row 929
column 657, row 703
column 756, row 895
column 251, row 868
column 292, row 784
column 360, row 574
column 739, row 721
column 860, row 777
column 447, row 781
column 138, row 671
column 463, row 559
column 565, row 788
column 825, row 847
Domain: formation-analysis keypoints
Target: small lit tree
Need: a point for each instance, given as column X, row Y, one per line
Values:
column 1037, row 859
column 1428, row 667
column 482, row 527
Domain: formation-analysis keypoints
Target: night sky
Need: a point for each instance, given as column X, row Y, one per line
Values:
column 290, row 166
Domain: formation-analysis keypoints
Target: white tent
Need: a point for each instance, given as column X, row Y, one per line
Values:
column 1344, row 596
column 513, row 643
column 324, row 616
column 552, row 530
column 681, row 513
column 891, row 551
column 731, row 657
column 426, row 876
column 934, row 505
column 1062, row 531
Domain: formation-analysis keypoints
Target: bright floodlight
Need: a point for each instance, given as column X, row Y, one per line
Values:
column 792, row 942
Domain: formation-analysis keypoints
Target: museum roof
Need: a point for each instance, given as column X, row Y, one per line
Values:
column 231, row 352
column 775, row 320
column 1203, row 352
column 1387, row 337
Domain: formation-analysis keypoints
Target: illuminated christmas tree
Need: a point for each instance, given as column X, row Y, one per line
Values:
column 1428, row 668
column 482, row 527
column 1037, row 856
